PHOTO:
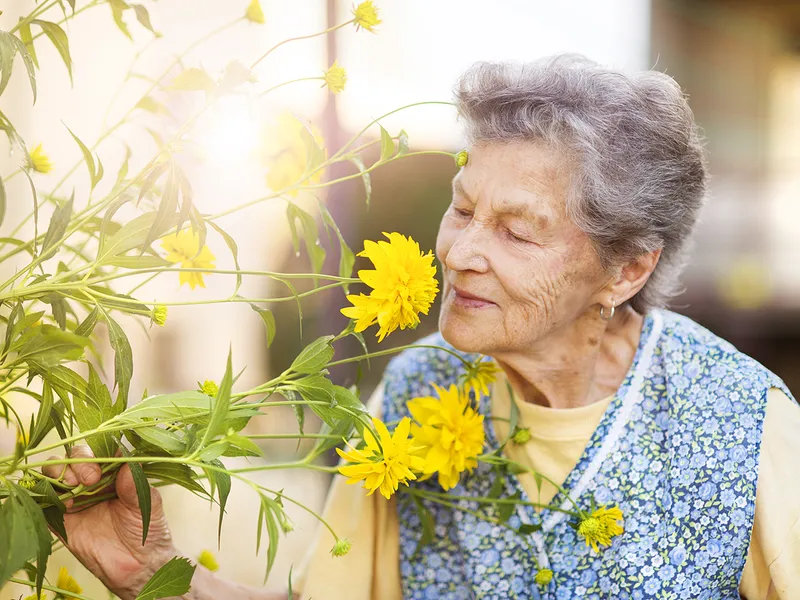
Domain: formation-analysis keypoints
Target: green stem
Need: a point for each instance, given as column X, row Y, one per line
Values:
column 294, row 39
column 59, row 592
column 280, row 85
column 394, row 350
column 35, row 13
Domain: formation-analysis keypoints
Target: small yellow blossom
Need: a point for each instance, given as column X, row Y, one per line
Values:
column 254, row 13
column 39, row 161
column 184, row 247
column 479, row 376
column 601, row 526
column 160, row 314
column 286, row 155
column 208, row 560
column 543, row 576
column 28, row 481
column 386, row 465
column 403, row 285
column 209, row 387
column 67, row 583
column 450, row 433
column 521, row 435
column 341, row 547
column 335, row 78
column 366, row 16
column 462, row 158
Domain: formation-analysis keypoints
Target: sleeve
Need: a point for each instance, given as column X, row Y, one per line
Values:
column 371, row 569
column 771, row 571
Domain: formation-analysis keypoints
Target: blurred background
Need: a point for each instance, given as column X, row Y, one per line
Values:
column 739, row 61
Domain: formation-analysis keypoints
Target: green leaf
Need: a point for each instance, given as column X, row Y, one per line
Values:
column 174, row 473
column 402, row 143
column 528, row 528
column 428, row 525
column 223, row 484
column 123, row 360
column 50, row 346
column 87, row 325
column 231, row 243
column 88, row 159
column 43, row 416
column 192, row 80
column 310, row 235
column 29, row 511
column 341, row 402
column 222, row 403
column 166, row 213
column 267, row 513
column 365, row 176
column 149, row 104
column 241, row 446
column 8, row 50
column 52, row 507
column 18, row 537
column 142, row 492
column 314, row 356
column 158, row 439
column 269, row 322
column 505, row 510
column 59, row 306
column 314, row 153
column 27, row 39
column 117, row 8
column 173, row 579
column 346, row 257
column 139, row 262
column 58, row 223
column 387, row 145
column 187, row 407
column 27, row 59
column 59, row 39
column 90, row 413
column 131, row 235
column 16, row 314
column 144, row 17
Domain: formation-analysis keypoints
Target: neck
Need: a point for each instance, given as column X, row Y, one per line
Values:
column 577, row 364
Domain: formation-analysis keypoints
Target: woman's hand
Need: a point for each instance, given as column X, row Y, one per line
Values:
column 107, row 537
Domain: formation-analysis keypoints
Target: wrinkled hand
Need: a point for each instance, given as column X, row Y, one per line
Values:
column 107, row 537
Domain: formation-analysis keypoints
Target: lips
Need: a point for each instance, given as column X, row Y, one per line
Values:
column 468, row 299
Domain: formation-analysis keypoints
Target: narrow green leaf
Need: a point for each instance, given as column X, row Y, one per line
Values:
column 269, row 322
column 92, row 412
column 59, row 39
column 27, row 59
column 365, row 177
column 131, row 235
column 166, row 214
column 87, row 157
column 16, row 314
column 504, row 511
column 142, row 492
column 58, row 223
column 2, row 201
column 30, row 511
column 173, row 579
column 87, row 325
column 117, row 8
column 123, row 360
column 52, row 507
column 143, row 17
column 222, row 403
column 139, row 262
column 7, row 51
column 314, row 356
column 27, row 39
column 346, row 257
column 193, row 80
column 428, row 525
column 223, row 483
column 175, row 473
column 231, row 243
column 59, row 306
column 310, row 235
column 314, row 153
column 43, row 416
column 387, row 145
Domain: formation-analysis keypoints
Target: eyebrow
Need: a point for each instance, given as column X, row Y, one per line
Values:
column 513, row 208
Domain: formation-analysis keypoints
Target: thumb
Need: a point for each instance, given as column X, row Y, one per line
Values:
column 126, row 492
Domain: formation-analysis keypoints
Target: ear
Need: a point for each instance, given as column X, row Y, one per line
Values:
column 632, row 277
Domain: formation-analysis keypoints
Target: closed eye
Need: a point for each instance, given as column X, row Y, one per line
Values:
column 462, row 212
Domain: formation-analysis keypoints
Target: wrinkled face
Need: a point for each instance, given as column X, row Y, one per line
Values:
column 515, row 268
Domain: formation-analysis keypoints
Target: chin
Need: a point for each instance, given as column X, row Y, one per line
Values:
column 463, row 335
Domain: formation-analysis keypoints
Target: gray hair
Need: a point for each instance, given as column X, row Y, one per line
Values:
column 642, row 171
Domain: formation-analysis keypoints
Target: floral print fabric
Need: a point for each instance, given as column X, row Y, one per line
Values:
column 683, row 469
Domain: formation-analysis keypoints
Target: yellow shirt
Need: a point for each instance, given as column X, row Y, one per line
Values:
column 371, row 570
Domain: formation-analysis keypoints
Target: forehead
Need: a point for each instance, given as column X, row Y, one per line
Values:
column 516, row 177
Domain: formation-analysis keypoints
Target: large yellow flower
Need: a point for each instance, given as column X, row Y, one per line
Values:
column 601, row 526
column 285, row 153
column 449, row 431
column 39, row 161
column 67, row 583
column 403, row 285
column 382, row 466
column 479, row 376
column 183, row 247
column 366, row 16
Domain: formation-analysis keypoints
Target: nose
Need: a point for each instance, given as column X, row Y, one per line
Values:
column 469, row 249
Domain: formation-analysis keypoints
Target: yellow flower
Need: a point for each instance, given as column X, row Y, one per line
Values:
column 254, row 13
column 382, row 466
column 208, row 560
column 462, row 158
column 543, row 576
column 35, row 597
column 403, row 285
column 366, row 16
column 67, row 583
column 601, row 526
column 450, row 432
column 209, row 387
column 183, row 247
column 285, row 153
column 341, row 547
column 39, row 161
column 28, row 481
column 335, row 78
column 479, row 376
column 160, row 314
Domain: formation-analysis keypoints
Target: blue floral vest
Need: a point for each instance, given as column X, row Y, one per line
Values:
column 677, row 450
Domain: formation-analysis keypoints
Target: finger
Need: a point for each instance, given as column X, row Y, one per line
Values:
column 87, row 473
column 57, row 471
column 126, row 492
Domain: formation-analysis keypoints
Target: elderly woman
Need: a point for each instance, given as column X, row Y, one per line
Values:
column 568, row 229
